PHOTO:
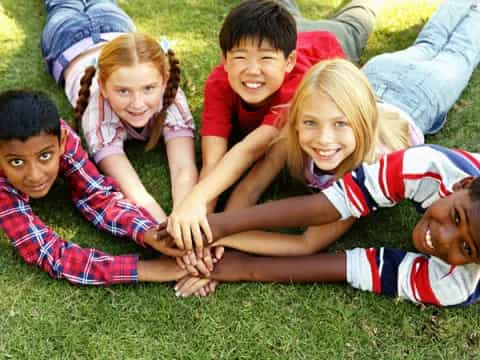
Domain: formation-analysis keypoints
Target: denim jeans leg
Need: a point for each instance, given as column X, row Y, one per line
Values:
column 70, row 21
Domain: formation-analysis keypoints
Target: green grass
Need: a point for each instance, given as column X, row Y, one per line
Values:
column 42, row 318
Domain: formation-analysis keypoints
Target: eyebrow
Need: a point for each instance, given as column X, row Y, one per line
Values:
column 475, row 239
column 47, row 148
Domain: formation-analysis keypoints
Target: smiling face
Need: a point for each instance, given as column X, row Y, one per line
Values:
column 32, row 166
column 134, row 92
column 324, row 132
column 450, row 229
column 256, row 71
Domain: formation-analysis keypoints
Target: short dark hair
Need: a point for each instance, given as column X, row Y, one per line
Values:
column 25, row 113
column 474, row 189
column 259, row 20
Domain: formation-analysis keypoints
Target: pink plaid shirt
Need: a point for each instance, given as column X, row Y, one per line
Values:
column 97, row 197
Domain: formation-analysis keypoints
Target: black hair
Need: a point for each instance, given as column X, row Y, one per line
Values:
column 25, row 113
column 259, row 20
column 474, row 189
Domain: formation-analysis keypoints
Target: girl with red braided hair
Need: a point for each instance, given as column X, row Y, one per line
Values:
column 123, row 85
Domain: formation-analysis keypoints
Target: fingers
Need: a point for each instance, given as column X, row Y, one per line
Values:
column 189, row 285
column 206, row 230
column 207, row 259
column 219, row 251
column 186, row 236
column 175, row 231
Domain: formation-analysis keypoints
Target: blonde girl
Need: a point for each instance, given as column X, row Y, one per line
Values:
column 333, row 124
column 123, row 85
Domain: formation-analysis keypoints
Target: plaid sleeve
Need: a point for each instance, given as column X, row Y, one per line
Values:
column 98, row 198
column 39, row 245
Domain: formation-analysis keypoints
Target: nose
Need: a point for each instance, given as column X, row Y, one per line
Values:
column 137, row 100
column 324, row 135
column 254, row 67
column 34, row 173
column 447, row 240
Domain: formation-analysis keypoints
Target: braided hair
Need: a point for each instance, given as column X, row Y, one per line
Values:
column 128, row 50
column 168, row 98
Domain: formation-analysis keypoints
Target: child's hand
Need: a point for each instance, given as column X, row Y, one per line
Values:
column 201, row 266
column 189, row 219
column 164, row 244
column 191, row 285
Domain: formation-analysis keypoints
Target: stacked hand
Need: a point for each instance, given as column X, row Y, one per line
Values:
column 199, row 264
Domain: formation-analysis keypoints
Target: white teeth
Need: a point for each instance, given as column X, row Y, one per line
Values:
column 326, row 152
column 253, row 85
column 428, row 239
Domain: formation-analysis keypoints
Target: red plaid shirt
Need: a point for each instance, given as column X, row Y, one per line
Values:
column 97, row 197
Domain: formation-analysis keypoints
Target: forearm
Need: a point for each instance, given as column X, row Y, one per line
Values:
column 120, row 168
column 183, row 183
column 159, row 270
column 292, row 212
column 265, row 243
column 323, row 267
column 314, row 239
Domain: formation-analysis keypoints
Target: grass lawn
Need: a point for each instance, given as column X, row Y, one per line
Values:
column 42, row 318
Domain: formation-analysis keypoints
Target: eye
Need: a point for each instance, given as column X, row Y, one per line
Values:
column 122, row 92
column 16, row 162
column 341, row 124
column 309, row 123
column 238, row 57
column 467, row 250
column 45, row 156
column 456, row 217
column 267, row 58
column 149, row 88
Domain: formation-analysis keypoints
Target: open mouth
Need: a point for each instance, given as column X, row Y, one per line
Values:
column 252, row 85
column 326, row 154
column 428, row 240
column 137, row 113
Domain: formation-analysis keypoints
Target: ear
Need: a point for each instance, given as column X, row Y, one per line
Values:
column 291, row 61
column 63, row 140
column 463, row 184
column 223, row 58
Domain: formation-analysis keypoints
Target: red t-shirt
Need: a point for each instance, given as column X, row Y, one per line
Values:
column 223, row 108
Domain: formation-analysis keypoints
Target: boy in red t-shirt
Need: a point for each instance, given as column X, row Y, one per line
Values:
column 263, row 63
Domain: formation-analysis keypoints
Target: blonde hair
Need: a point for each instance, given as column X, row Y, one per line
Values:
column 344, row 84
column 127, row 50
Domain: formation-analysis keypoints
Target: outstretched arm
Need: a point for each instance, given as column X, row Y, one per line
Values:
column 251, row 187
column 118, row 166
column 188, row 219
column 314, row 239
column 181, row 162
column 292, row 212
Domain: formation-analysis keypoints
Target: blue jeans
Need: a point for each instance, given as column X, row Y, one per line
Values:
column 427, row 78
column 70, row 21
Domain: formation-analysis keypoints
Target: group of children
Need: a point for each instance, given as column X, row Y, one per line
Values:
column 286, row 93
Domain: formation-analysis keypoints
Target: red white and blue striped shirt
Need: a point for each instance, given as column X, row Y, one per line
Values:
column 421, row 174
column 98, row 199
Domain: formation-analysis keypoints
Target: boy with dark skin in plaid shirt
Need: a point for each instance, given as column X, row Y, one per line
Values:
column 35, row 147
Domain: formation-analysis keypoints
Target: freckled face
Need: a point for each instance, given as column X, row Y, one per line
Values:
column 135, row 93
column 32, row 166
column 324, row 132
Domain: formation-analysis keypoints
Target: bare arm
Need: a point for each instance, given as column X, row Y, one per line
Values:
column 304, row 210
column 188, row 220
column 249, row 190
column 119, row 167
column 314, row 239
column 322, row 267
column 213, row 150
column 181, row 162
column 159, row 270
